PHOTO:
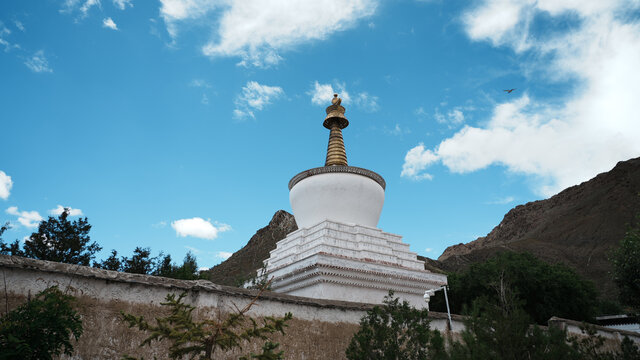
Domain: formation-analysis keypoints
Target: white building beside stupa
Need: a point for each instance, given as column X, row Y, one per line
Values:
column 338, row 252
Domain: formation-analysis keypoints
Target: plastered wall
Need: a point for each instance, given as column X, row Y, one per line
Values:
column 320, row 329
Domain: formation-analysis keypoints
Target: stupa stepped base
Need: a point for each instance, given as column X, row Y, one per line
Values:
column 337, row 261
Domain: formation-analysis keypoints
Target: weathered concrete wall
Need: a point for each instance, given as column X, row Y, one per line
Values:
column 321, row 329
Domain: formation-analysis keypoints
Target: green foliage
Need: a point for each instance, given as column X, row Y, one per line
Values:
column 140, row 262
column 626, row 267
column 628, row 350
column 187, row 271
column 110, row 263
column 267, row 352
column 395, row 330
column 164, row 266
column 590, row 347
column 13, row 248
column 259, row 281
column 544, row 290
column 61, row 240
column 202, row 339
column 502, row 331
column 41, row 328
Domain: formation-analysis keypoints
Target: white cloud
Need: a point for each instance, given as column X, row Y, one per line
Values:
column 19, row 25
column 500, row 21
column 416, row 160
column 453, row 118
column 4, row 32
column 205, row 99
column 256, row 31
column 594, row 127
column 108, row 23
column 159, row 224
column 122, row 4
column 72, row 212
column 368, row 102
column 428, row 250
column 321, row 94
column 38, row 62
column 223, row 255
column 397, row 130
column 254, row 97
column 195, row 251
column 222, row 227
column 26, row 218
column 199, row 83
column 502, row 201
column 420, row 112
column 5, row 185
column 83, row 7
column 198, row 227
column 176, row 11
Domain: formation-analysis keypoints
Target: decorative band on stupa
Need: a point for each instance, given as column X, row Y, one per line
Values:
column 336, row 121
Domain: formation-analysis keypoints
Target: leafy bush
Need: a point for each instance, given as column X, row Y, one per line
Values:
column 396, row 330
column 202, row 339
column 41, row 328
column 544, row 290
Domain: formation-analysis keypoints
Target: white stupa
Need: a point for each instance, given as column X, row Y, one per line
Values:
column 338, row 252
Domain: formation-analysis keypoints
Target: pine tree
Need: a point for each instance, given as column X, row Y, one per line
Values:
column 61, row 240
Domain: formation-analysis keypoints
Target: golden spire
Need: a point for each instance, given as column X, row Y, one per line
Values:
column 336, row 121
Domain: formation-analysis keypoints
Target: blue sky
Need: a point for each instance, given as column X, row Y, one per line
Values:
column 177, row 124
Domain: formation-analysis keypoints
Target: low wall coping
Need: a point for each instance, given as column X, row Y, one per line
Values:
column 17, row 262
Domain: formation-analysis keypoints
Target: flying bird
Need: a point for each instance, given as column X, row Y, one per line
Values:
column 508, row 91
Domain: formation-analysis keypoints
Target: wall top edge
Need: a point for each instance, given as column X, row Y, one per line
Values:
column 20, row 263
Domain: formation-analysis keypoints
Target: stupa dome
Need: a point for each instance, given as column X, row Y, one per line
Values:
column 336, row 191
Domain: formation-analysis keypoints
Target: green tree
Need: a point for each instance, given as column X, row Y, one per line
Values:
column 396, row 330
column 188, row 270
column 202, row 339
column 111, row 263
column 502, row 330
column 626, row 267
column 140, row 262
column 544, row 290
column 13, row 248
column 40, row 329
column 164, row 267
column 61, row 240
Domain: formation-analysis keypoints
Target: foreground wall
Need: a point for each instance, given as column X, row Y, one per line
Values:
column 320, row 329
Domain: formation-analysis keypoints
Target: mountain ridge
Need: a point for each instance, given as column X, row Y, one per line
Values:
column 578, row 226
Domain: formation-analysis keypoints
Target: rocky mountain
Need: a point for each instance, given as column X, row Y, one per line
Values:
column 242, row 265
column 578, row 227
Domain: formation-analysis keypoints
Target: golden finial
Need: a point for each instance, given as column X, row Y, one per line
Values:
column 336, row 121
column 336, row 100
